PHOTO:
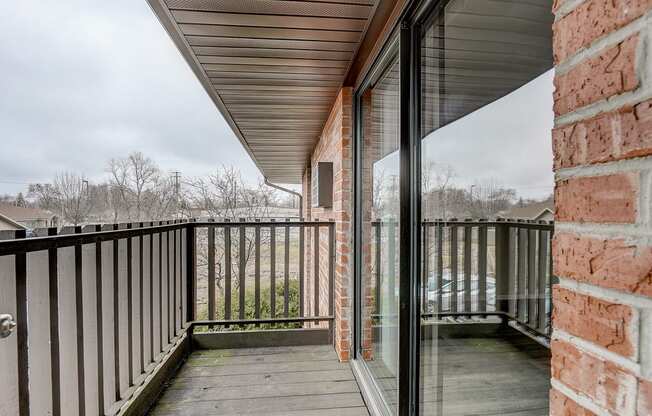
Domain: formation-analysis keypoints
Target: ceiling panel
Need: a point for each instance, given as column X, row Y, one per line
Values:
column 271, row 33
column 276, row 7
column 231, row 42
column 272, row 67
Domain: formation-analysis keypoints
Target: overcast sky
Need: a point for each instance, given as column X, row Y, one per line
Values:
column 87, row 80
column 505, row 143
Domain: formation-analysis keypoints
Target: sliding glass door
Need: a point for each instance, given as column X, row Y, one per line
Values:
column 452, row 211
column 486, row 113
column 378, row 194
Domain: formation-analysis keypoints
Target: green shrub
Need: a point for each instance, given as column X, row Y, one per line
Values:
column 265, row 307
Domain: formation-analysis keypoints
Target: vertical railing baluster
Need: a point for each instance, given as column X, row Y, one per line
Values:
column 482, row 267
column 302, row 283
column 211, row 272
column 99, row 320
column 130, row 311
column 551, row 280
column 242, row 269
column 152, row 264
column 272, row 270
column 227, row 272
column 286, row 272
column 512, row 270
column 426, row 266
column 170, row 270
column 468, row 236
column 440, row 265
column 161, row 271
column 542, row 280
column 531, row 277
column 79, row 313
column 141, row 302
column 377, row 265
column 22, row 333
column 175, row 280
column 183, row 267
column 116, row 315
column 522, row 274
column 501, row 274
column 257, row 271
column 316, row 265
column 179, row 268
column 454, row 265
column 191, row 272
column 55, row 362
column 391, row 271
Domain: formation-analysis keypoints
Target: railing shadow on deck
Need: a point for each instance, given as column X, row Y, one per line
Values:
column 105, row 314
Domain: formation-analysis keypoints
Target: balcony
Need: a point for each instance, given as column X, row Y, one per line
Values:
column 179, row 317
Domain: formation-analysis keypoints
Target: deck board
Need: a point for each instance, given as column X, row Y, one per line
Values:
column 506, row 374
column 307, row 381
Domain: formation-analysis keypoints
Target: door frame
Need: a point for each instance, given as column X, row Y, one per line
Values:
column 406, row 36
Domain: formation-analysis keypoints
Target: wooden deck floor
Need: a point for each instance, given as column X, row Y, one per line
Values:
column 504, row 374
column 307, row 381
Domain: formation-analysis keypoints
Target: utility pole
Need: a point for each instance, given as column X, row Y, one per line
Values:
column 177, row 188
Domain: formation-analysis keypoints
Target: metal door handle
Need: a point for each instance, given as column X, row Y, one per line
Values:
column 7, row 325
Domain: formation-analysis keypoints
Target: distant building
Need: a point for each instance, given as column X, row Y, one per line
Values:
column 537, row 211
column 19, row 218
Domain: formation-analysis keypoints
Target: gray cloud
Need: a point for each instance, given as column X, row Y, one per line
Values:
column 87, row 80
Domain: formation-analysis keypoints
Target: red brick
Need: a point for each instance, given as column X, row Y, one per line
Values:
column 608, row 385
column 610, row 263
column 561, row 405
column 334, row 145
column 604, row 323
column 601, row 199
column 617, row 135
column 609, row 73
column 644, row 405
column 592, row 20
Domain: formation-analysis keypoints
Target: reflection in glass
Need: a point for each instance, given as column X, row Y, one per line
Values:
column 380, row 230
column 486, row 194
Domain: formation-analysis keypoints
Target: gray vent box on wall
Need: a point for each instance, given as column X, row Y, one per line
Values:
column 322, row 185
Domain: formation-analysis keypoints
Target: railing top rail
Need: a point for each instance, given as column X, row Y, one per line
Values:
column 494, row 222
column 125, row 230
column 531, row 224
column 32, row 244
column 266, row 223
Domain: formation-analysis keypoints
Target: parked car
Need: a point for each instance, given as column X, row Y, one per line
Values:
column 447, row 292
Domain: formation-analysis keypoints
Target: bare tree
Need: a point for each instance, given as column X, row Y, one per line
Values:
column 72, row 197
column 45, row 195
column 140, row 190
column 225, row 195
column 436, row 183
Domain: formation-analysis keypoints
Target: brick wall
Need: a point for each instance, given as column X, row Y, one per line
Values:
column 334, row 145
column 602, row 142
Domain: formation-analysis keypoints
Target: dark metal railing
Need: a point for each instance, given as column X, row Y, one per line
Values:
column 254, row 248
column 476, row 268
column 479, row 267
column 99, row 308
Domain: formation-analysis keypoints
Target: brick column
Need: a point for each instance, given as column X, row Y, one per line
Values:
column 602, row 142
column 334, row 145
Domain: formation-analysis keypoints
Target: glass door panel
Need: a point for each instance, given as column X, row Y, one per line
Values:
column 379, row 192
column 486, row 192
